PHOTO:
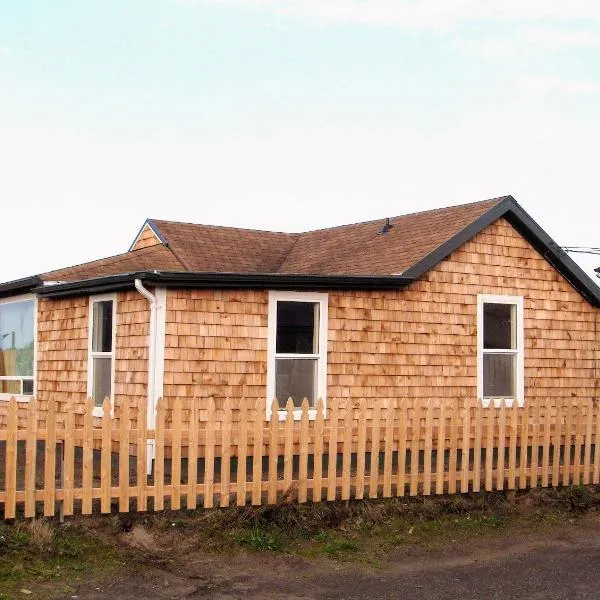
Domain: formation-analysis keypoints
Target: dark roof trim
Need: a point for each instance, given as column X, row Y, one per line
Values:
column 531, row 231
column 19, row 286
column 283, row 281
column 154, row 229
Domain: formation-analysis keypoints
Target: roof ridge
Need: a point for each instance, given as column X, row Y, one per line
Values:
column 290, row 233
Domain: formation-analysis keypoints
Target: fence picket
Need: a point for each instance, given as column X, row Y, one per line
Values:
column 587, row 458
column 501, row 450
column 288, row 450
column 596, row 478
column 347, row 450
column 535, row 444
column 142, row 445
column 452, row 458
column 317, row 491
column 546, row 448
column 10, row 472
column 512, row 446
column 566, row 471
column 578, row 445
column 402, row 431
column 176, row 455
column 303, row 451
column 124, row 457
column 87, row 457
column 30, row 458
column 106, row 458
column 477, row 446
column 389, row 446
column 374, row 466
column 361, row 450
column 414, row 449
column 209, row 456
column 489, row 447
column 524, row 449
column 226, row 454
column 50, row 461
column 257, row 452
column 440, row 453
column 191, row 494
column 427, row 458
column 332, row 451
column 159, row 458
column 68, row 460
column 242, row 455
column 466, row 447
column 273, row 453
column 556, row 438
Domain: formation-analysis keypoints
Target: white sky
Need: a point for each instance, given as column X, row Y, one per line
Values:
column 289, row 116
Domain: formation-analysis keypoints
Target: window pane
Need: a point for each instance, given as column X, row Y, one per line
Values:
column 28, row 387
column 102, row 323
column 296, row 327
column 296, row 378
column 102, row 380
column 499, row 375
column 10, row 387
column 16, row 338
column 499, row 327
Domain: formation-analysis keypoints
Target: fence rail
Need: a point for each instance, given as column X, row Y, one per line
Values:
column 236, row 457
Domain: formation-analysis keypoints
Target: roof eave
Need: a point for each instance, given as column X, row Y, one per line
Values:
column 282, row 281
column 531, row 231
column 25, row 285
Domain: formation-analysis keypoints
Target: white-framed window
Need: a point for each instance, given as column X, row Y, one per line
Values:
column 101, row 349
column 297, row 349
column 500, row 349
column 18, row 347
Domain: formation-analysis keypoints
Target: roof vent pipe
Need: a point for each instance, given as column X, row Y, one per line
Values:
column 386, row 227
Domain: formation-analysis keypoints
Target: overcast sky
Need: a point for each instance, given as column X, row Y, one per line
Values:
column 289, row 115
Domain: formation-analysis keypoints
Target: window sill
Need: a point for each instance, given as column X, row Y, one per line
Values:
column 18, row 397
column 498, row 402
column 282, row 414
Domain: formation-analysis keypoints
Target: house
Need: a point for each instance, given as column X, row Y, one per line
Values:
column 471, row 301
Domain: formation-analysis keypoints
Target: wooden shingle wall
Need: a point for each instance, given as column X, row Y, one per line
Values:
column 216, row 344
column 415, row 343
column 147, row 238
column 422, row 342
column 62, row 353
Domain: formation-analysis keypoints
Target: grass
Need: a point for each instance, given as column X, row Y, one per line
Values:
column 49, row 558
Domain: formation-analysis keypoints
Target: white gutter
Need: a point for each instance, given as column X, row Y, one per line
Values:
column 156, row 352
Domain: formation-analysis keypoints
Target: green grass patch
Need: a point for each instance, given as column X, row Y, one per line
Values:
column 45, row 558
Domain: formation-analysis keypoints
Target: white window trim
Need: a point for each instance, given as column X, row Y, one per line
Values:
column 24, row 397
column 98, row 411
column 322, row 299
column 517, row 302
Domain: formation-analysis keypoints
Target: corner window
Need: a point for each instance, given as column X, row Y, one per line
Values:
column 297, row 350
column 101, row 354
column 500, row 349
column 17, row 346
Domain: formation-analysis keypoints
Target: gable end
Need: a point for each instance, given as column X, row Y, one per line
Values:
column 149, row 235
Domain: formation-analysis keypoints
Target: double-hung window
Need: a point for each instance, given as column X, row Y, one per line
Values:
column 297, row 349
column 17, row 347
column 101, row 354
column 500, row 341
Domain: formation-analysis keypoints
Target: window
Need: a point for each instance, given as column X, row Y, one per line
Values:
column 500, row 349
column 17, row 346
column 101, row 355
column 297, row 363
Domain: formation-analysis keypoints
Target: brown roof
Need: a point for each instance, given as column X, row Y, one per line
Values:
column 158, row 258
column 211, row 249
column 358, row 249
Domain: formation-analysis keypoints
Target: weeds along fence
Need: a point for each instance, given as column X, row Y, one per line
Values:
column 234, row 456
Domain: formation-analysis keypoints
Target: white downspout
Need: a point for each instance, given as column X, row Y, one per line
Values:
column 154, row 352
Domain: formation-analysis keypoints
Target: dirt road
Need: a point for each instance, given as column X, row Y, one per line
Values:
column 561, row 564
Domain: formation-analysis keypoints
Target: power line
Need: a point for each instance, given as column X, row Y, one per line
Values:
column 581, row 250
